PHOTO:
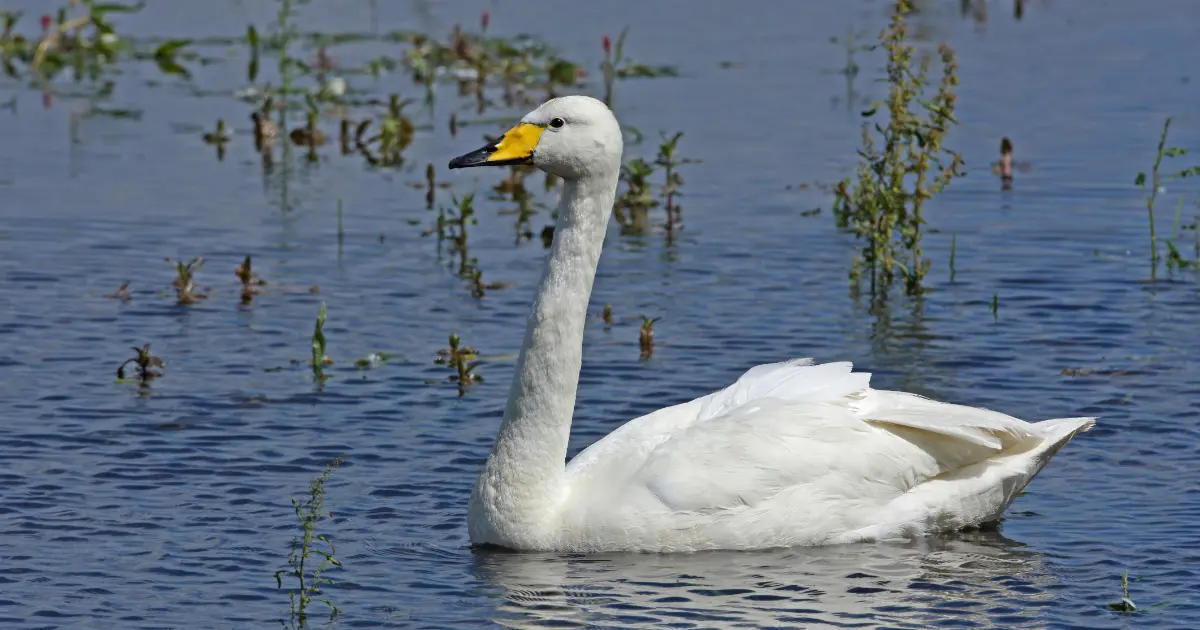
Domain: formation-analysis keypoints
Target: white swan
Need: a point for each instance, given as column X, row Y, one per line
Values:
column 791, row 454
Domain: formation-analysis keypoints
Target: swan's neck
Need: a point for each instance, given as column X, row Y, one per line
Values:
column 522, row 482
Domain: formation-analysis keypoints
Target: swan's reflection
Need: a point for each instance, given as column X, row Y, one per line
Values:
column 978, row 577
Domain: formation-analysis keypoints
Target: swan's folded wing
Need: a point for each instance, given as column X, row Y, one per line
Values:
column 797, row 380
column 868, row 448
column 749, row 456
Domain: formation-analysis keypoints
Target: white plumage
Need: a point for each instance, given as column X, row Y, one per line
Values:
column 790, row 454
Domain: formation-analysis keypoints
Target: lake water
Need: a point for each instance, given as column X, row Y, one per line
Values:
column 168, row 506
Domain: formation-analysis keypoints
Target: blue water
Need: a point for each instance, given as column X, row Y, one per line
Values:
column 168, row 506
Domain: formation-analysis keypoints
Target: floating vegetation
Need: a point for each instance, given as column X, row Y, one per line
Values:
column 309, row 135
column 249, row 279
column 1125, row 605
column 479, row 288
column 883, row 204
column 303, row 568
column 144, row 363
column 672, row 180
column 184, row 283
column 121, row 294
column 453, row 224
column 617, row 66
column 396, row 131
column 373, row 360
column 462, row 360
column 632, row 207
column 265, row 132
column 319, row 358
column 219, row 138
column 646, row 337
column 1175, row 260
column 88, row 44
column 513, row 188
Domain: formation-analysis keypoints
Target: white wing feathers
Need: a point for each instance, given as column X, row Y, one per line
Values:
column 982, row 427
column 795, row 380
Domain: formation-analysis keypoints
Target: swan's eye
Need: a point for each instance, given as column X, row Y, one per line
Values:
column 557, row 123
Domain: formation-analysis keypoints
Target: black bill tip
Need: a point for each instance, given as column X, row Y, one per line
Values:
column 478, row 157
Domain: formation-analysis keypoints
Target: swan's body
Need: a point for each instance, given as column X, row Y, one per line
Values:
column 790, row 454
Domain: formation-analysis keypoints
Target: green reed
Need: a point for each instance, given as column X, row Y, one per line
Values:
column 319, row 359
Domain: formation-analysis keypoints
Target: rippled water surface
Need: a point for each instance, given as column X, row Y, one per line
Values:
column 168, row 507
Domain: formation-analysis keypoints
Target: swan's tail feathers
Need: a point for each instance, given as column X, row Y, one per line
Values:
column 1057, row 433
column 1061, row 430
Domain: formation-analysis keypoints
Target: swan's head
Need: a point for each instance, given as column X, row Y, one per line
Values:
column 571, row 136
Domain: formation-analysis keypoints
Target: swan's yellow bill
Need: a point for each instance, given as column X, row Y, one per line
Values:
column 516, row 147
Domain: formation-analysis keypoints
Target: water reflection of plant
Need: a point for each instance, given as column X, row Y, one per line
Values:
column 906, row 167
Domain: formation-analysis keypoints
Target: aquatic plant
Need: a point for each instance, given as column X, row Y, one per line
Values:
column 308, row 572
column 218, row 136
column 309, row 135
column 479, row 288
column 953, row 250
column 906, row 167
column 462, row 359
column 646, row 336
column 374, row 359
column 1156, row 180
column 319, row 358
column 1125, row 605
column 617, row 66
column 265, row 129
column 121, row 293
column 145, row 364
column 87, row 43
column 249, row 279
column 672, row 180
column 184, row 284
column 457, row 220
column 632, row 206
